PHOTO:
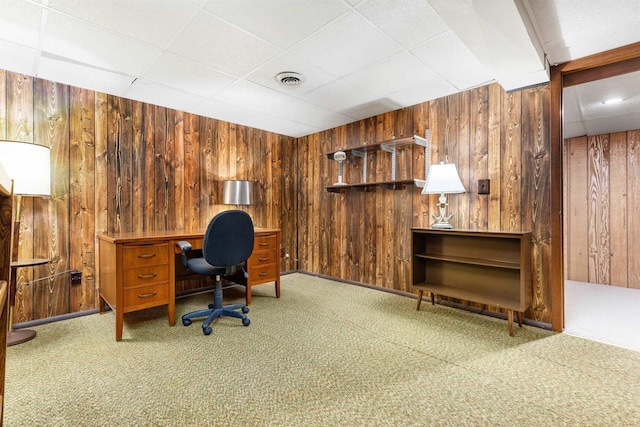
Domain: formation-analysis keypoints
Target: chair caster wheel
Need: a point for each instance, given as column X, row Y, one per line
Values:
column 186, row 322
column 207, row 330
column 246, row 321
column 245, row 309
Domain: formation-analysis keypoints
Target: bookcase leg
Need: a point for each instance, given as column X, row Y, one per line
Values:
column 420, row 292
column 510, row 317
column 519, row 318
column 433, row 298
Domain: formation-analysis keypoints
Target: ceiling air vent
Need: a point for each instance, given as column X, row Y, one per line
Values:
column 289, row 78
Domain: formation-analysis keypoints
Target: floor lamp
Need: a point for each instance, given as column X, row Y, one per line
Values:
column 29, row 166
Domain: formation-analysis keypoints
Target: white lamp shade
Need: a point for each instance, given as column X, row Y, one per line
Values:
column 236, row 192
column 29, row 165
column 443, row 179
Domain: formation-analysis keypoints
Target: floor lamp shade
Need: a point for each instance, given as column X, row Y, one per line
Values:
column 29, row 165
column 236, row 192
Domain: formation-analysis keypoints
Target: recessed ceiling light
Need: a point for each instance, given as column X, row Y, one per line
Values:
column 612, row 101
column 290, row 78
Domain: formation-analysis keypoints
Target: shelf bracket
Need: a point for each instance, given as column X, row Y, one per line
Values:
column 363, row 154
column 391, row 149
column 424, row 142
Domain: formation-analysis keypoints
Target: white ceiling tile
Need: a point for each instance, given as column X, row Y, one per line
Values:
column 313, row 76
column 496, row 34
column 436, row 88
column 184, row 74
column 221, row 111
column 360, row 44
column 604, row 125
column 155, row 22
column 281, row 126
column 281, row 22
column 87, row 44
column 372, row 108
column 215, row 43
column 20, row 22
column 410, row 22
column 340, row 96
column 449, row 57
column 156, row 94
column 83, row 77
column 17, row 58
column 592, row 94
column 392, row 74
column 573, row 129
column 574, row 29
column 304, row 112
column 250, row 95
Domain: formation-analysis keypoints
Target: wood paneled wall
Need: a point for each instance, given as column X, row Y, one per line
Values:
column 123, row 165
column 601, row 209
column 487, row 133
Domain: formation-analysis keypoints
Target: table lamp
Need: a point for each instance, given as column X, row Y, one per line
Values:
column 236, row 192
column 443, row 179
column 29, row 166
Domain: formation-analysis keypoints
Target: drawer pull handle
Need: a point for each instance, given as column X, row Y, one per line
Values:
column 147, row 276
column 262, row 274
column 263, row 243
column 147, row 295
column 146, row 255
column 262, row 259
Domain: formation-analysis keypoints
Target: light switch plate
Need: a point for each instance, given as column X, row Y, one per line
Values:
column 484, row 186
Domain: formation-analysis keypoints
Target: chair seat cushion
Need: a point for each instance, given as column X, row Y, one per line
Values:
column 201, row 266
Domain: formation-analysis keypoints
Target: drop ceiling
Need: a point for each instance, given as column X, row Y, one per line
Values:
column 359, row 58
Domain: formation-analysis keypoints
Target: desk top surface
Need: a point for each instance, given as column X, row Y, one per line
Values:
column 137, row 236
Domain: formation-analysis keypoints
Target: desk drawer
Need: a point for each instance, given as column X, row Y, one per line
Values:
column 262, row 273
column 263, row 242
column 146, row 275
column 148, row 296
column 263, row 257
column 144, row 255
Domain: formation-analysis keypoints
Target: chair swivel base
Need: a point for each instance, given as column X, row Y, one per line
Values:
column 213, row 313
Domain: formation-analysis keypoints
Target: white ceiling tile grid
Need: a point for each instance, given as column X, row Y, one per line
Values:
column 219, row 58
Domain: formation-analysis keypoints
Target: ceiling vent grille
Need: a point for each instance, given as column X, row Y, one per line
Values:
column 289, row 78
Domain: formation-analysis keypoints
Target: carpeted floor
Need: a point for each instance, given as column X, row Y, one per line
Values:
column 324, row 354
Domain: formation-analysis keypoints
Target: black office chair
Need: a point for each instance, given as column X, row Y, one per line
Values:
column 227, row 244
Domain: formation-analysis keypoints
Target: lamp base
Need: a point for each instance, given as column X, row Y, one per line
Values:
column 442, row 225
column 18, row 336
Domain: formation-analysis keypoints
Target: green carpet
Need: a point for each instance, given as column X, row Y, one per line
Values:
column 326, row 353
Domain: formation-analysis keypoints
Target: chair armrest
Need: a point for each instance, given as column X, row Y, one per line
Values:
column 183, row 245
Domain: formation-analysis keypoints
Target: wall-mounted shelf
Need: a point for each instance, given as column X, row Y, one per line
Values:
column 389, row 146
column 371, row 186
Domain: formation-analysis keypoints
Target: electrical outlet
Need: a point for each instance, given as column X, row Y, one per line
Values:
column 76, row 277
column 483, row 186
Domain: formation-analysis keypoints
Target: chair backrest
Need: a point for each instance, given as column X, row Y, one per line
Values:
column 229, row 239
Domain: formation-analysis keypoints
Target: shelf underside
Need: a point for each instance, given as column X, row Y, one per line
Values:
column 371, row 186
column 471, row 296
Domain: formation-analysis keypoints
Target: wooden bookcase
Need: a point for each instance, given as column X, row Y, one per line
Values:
column 491, row 268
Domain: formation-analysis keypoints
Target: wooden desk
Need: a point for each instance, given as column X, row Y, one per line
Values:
column 137, row 270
